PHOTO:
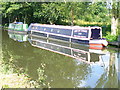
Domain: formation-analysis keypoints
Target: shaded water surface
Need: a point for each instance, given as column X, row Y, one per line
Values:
column 65, row 65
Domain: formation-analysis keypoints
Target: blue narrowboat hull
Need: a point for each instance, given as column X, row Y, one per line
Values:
column 68, row 39
column 91, row 36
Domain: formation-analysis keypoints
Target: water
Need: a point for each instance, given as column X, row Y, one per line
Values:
column 63, row 65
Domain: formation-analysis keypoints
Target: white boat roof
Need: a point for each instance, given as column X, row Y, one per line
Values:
column 64, row 27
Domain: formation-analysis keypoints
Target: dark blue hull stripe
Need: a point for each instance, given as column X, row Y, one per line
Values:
column 61, row 38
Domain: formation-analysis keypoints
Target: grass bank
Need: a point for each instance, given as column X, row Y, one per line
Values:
column 16, row 81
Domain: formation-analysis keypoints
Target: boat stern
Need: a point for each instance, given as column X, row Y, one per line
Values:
column 98, row 44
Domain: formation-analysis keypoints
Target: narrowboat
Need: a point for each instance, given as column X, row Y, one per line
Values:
column 73, row 50
column 18, row 27
column 91, row 36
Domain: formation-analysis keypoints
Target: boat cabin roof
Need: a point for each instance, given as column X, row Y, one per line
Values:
column 65, row 27
column 17, row 22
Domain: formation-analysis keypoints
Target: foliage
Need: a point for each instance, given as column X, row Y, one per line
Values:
column 10, row 79
column 64, row 13
column 115, row 9
column 97, row 12
column 16, row 81
column 110, row 37
column 54, row 12
column 50, row 13
column 115, row 18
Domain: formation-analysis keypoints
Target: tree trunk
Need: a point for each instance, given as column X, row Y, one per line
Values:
column 114, row 24
column 115, row 18
column 25, row 19
column 72, row 17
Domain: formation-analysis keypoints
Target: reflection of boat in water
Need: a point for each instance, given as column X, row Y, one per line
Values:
column 91, row 36
column 18, row 27
column 97, row 61
column 17, row 36
column 73, row 72
column 76, row 51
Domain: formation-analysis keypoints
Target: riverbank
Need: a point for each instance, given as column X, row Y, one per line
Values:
column 114, row 43
column 15, row 81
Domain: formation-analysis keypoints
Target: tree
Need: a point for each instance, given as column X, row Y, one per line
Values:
column 115, row 18
column 54, row 12
column 23, row 11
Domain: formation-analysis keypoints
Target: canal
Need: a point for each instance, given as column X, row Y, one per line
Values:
column 57, row 65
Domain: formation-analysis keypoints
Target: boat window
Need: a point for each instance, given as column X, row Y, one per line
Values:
column 65, row 32
column 11, row 25
column 44, row 29
column 34, row 27
column 51, row 30
column 54, row 30
column 41, row 28
column 38, row 27
column 81, row 33
column 58, row 31
column 48, row 29
column 18, row 26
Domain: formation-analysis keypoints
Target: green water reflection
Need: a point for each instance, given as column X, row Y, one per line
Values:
column 60, row 71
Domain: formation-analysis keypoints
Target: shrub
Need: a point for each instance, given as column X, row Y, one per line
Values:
column 110, row 37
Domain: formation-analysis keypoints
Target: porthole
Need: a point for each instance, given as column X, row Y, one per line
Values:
column 58, row 31
column 51, row 30
column 44, row 29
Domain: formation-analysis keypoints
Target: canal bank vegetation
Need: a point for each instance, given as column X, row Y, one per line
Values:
column 13, row 76
column 10, row 79
column 14, row 66
column 104, row 14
